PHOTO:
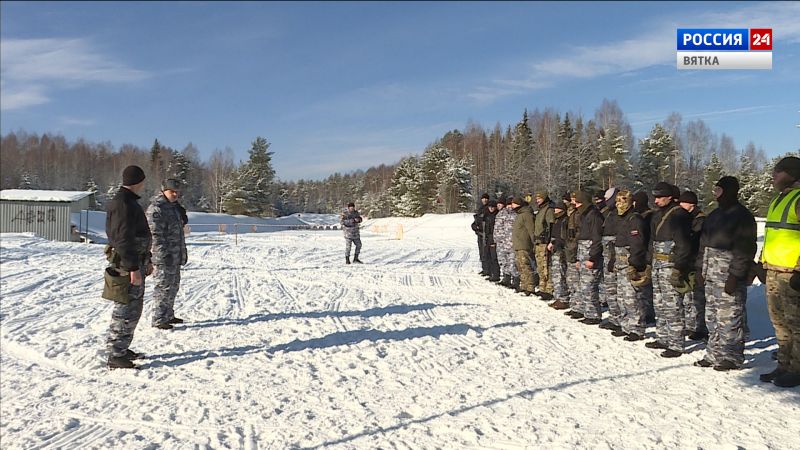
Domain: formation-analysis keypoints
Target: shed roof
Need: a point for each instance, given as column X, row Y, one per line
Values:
column 32, row 195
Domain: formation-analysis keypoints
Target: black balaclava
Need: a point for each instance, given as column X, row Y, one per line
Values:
column 730, row 191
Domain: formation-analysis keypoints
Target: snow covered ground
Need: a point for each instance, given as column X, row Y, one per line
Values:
column 286, row 347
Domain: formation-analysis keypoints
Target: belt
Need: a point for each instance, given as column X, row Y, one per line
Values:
column 661, row 256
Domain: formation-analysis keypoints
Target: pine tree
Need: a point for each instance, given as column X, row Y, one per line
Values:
column 253, row 187
column 711, row 175
column 405, row 189
column 614, row 165
column 521, row 152
column 748, row 191
column 455, row 186
column 654, row 157
column 433, row 167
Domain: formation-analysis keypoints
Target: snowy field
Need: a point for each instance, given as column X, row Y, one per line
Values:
column 286, row 347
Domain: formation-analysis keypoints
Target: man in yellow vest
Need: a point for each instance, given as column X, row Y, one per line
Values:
column 781, row 259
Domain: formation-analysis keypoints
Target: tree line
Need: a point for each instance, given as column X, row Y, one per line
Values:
column 543, row 151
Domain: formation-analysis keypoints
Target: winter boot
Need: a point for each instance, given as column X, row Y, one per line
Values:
column 669, row 353
column 703, row 363
column 770, row 377
column 347, row 259
column 634, row 337
column 515, row 284
column 357, row 261
column 558, row 304
column 131, row 355
column 120, row 362
column 546, row 296
column 164, row 326
column 619, row 333
column 656, row 345
column 726, row 365
column 590, row 321
column 175, row 320
column 506, row 280
column 787, row 379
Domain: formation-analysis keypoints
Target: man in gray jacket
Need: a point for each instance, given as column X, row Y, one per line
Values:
column 350, row 222
column 169, row 252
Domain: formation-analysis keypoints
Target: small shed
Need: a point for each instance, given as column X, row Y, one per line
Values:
column 46, row 213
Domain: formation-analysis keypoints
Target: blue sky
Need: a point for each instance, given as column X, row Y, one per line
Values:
column 339, row 86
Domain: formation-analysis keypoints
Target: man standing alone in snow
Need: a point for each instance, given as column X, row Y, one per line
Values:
column 350, row 220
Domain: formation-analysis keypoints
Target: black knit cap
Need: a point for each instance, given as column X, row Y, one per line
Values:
column 790, row 165
column 502, row 200
column 351, row 204
column 688, row 197
column 485, row 195
column 492, row 204
column 662, row 189
column 132, row 175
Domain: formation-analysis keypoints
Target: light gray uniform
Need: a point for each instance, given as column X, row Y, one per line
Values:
column 667, row 301
column 503, row 225
column 350, row 226
column 169, row 254
column 588, row 282
column 724, row 312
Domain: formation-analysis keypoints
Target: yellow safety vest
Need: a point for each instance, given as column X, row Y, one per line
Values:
column 782, row 232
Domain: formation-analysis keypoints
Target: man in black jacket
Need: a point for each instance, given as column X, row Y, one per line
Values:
column 129, row 238
column 727, row 248
column 491, row 244
column 590, row 257
column 669, row 253
column 558, row 260
column 477, row 227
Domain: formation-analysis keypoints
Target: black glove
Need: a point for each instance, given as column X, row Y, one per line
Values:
column 611, row 262
column 794, row 282
column 731, row 284
column 699, row 280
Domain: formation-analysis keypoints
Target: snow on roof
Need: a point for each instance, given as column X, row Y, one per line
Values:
column 30, row 195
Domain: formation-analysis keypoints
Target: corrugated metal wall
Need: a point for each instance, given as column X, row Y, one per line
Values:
column 50, row 220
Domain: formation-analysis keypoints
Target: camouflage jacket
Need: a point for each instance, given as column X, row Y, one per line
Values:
column 169, row 244
column 350, row 223
column 503, row 225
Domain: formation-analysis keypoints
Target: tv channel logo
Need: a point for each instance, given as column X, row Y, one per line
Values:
column 724, row 48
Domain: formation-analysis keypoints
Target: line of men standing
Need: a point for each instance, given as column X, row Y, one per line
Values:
column 673, row 265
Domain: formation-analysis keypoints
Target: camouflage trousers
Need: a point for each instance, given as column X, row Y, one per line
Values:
column 525, row 271
column 574, row 294
column 695, row 310
column 506, row 258
column 667, row 301
column 545, row 283
column 558, row 271
column 168, row 281
column 608, row 286
column 589, row 282
column 124, row 319
column 724, row 312
column 357, row 242
column 784, row 312
column 631, row 301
